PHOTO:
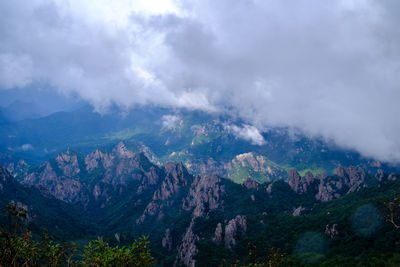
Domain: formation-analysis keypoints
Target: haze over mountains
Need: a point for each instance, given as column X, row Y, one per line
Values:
column 204, row 142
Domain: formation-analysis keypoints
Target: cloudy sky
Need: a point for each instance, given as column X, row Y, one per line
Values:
column 329, row 68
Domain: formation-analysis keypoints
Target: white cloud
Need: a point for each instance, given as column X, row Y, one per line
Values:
column 330, row 69
column 170, row 121
column 26, row 147
column 15, row 70
column 247, row 132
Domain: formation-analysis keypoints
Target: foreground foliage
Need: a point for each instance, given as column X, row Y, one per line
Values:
column 18, row 247
column 98, row 253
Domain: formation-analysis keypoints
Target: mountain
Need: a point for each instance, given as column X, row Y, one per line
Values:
column 205, row 143
column 19, row 110
column 199, row 220
column 199, row 190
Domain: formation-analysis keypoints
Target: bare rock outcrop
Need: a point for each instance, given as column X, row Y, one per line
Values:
column 352, row 177
column 62, row 187
column 218, row 233
column 114, row 172
column 297, row 183
column 297, row 211
column 152, row 209
column 331, row 230
column 187, row 250
column 205, row 193
column 68, row 163
column 392, row 177
column 231, row 230
column 4, row 177
column 166, row 241
column 99, row 158
column 122, row 151
column 345, row 180
column 176, row 177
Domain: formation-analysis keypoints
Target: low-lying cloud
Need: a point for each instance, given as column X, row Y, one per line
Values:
column 330, row 69
column 170, row 121
column 247, row 132
column 26, row 147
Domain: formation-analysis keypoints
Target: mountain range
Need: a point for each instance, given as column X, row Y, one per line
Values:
column 201, row 219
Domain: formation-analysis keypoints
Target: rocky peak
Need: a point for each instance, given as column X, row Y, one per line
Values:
column 297, row 211
column 176, row 177
column 122, row 151
column 166, row 241
column 205, row 193
column 331, row 231
column 94, row 159
column 309, row 177
column 232, row 228
column 345, row 180
column 177, row 172
column 61, row 187
column 187, row 249
column 4, row 177
column 218, row 233
column 68, row 163
column 298, row 184
column 3, row 173
column 352, row 177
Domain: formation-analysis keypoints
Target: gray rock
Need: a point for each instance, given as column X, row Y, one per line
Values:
column 345, row 180
column 392, row 177
column 218, row 234
column 331, row 231
column 297, row 211
column 167, row 240
column 187, row 250
column 298, row 184
column 231, row 230
column 206, row 192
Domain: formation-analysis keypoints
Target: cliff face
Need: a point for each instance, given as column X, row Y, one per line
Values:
column 344, row 181
column 95, row 177
column 4, row 178
column 206, row 193
column 239, row 223
column 298, row 184
column 173, row 184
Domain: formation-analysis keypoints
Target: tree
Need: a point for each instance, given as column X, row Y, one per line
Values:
column 18, row 248
column 392, row 211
